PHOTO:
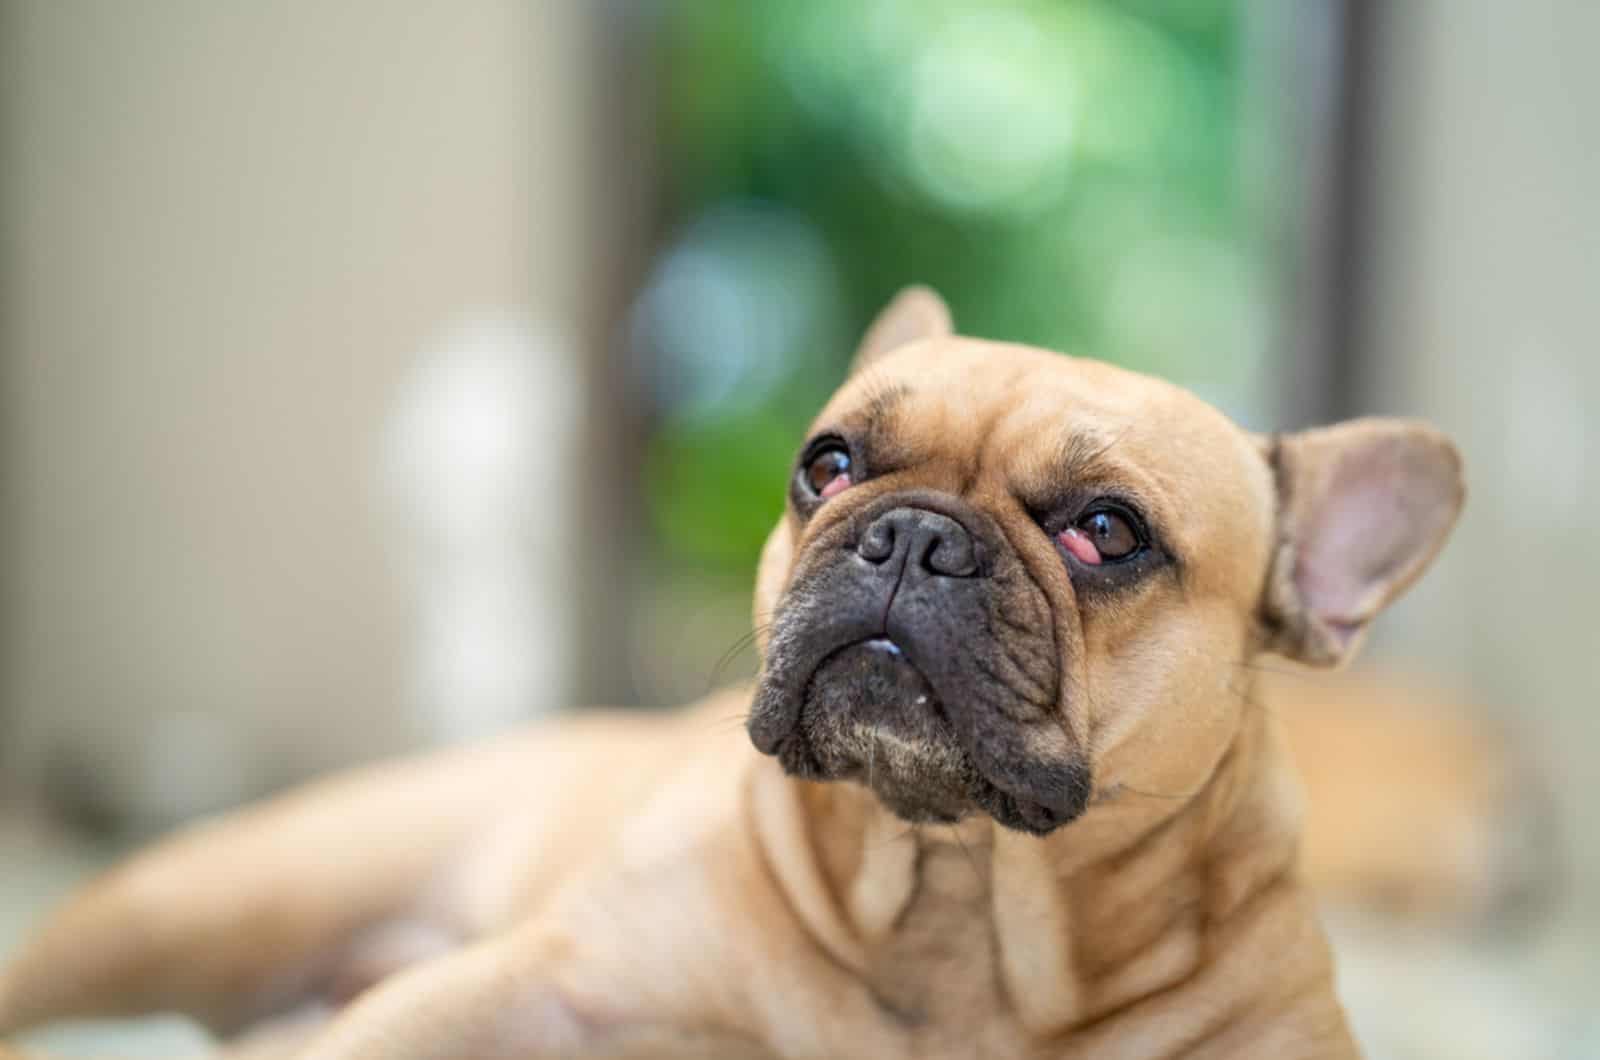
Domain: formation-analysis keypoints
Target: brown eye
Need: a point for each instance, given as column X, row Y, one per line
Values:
column 1105, row 535
column 828, row 471
column 1113, row 535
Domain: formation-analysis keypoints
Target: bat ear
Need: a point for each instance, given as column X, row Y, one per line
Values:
column 915, row 313
column 1363, row 507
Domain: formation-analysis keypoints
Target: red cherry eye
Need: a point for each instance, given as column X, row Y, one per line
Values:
column 1100, row 536
column 1077, row 542
column 828, row 471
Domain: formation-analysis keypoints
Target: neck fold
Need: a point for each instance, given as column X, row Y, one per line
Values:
column 1118, row 906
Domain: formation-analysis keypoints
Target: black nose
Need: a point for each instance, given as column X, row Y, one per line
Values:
column 921, row 540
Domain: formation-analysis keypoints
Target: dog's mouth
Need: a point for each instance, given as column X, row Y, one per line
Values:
column 868, row 714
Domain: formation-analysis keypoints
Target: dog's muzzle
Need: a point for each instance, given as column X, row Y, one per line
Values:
column 912, row 652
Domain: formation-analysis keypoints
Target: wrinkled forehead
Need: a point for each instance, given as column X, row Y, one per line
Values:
column 1036, row 424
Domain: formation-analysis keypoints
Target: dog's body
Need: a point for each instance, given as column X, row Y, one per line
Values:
column 699, row 899
column 1020, row 800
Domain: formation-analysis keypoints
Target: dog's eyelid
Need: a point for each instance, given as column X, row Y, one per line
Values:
column 1055, row 510
column 821, row 440
column 872, row 453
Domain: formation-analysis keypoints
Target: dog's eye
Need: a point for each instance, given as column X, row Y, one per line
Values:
column 1103, row 535
column 827, row 471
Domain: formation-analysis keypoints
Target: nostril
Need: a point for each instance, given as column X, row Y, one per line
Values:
column 926, row 541
column 951, row 555
column 877, row 544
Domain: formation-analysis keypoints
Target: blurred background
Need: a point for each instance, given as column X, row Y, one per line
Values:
column 375, row 375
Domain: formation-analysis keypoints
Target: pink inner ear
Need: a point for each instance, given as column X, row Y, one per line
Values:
column 1379, row 514
column 1354, row 541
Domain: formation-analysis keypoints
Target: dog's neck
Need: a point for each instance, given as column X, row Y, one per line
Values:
column 1123, row 906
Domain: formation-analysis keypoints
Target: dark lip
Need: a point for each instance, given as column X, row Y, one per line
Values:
column 1018, row 813
column 880, row 642
column 793, row 750
column 796, row 755
column 876, row 642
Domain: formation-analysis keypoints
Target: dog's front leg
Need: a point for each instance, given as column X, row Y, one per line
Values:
column 515, row 997
column 487, row 1001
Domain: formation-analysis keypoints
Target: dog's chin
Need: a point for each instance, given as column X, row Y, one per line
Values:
column 868, row 715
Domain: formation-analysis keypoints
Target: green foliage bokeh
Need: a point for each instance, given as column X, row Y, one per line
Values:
column 1064, row 172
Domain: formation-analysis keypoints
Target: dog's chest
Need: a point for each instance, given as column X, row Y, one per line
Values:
column 936, row 974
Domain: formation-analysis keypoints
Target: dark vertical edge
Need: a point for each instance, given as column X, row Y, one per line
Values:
column 1317, row 72
column 614, row 428
column 10, row 100
column 1352, row 160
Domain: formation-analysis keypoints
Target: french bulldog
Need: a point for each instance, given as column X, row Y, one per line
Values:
column 1003, row 787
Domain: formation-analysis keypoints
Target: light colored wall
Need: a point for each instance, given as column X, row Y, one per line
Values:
column 1485, row 296
column 237, row 238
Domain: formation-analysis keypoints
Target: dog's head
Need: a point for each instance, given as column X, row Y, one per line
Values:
column 1007, row 578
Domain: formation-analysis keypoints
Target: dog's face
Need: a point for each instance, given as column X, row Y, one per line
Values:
column 1008, row 579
